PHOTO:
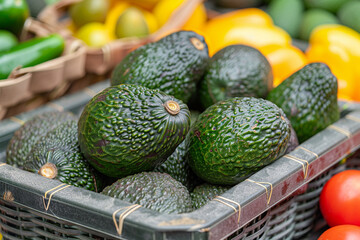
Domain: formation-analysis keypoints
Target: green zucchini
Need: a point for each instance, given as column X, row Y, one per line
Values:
column 30, row 53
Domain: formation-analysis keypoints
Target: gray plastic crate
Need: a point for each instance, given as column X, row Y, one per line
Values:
column 33, row 207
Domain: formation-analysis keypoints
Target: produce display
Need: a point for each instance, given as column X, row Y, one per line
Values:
column 198, row 110
column 138, row 124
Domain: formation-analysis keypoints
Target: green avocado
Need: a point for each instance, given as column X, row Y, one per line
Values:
column 309, row 99
column 235, row 71
column 173, row 64
column 57, row 155
column 153, row 190
column 26, row 137
column 127, row 129
column 236, row 137
column 205, row 192
column 177, row 166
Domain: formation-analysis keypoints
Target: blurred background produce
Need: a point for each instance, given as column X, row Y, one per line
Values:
column 98, row 22
column 17, row 51
column 287, row 32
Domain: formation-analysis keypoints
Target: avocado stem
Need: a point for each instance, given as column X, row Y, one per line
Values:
column 48, row 170
column 172, row 107
column 197, row 43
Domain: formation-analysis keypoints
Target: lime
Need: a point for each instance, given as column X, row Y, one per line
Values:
column 313, row 18
column 329, row 5
column 94, row 34
column 131, row 23
column 7, row 40
column 349, row 15
column 87, row 11
column 287, row 14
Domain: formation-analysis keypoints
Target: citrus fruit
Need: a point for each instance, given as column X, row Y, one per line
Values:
column 94, row 34
column 131, row 23
column 87, row 11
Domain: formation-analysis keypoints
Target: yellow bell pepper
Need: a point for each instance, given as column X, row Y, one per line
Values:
column 250, row 26
column 284, row 60
column 253, row 35
column 339, row 47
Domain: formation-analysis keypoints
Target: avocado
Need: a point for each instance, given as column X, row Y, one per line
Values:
column 153, row 190
column 235, row 71
column 57, row 155
column 309, row 99
column 26, row 137
column 349, row 14
column 204, row 193
column 293, row 141
column 126, row 129
column 173, row 64
column 236, row 137
column 177, row 166
column 287, row 14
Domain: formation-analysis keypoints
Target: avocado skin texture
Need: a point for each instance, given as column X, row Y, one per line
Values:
column 125, row 129
column 236, row 71
column 204, row 193
column 309, row 99
column 177, row 166
column 293, row 141
column 61, row 147
column 173, row 64
column 26, row 137
column 235, row 138
column 153, row 190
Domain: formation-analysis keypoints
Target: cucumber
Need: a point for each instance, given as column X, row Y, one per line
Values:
column 7, row 40
column 31, row 53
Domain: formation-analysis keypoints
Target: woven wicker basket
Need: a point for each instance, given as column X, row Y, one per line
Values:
column 53, row 76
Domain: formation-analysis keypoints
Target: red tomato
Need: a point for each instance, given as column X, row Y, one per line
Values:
column 341, row 232
column 340, row 199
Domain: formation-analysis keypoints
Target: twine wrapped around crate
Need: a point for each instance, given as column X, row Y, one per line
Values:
column 102, row 60
column 53, row 76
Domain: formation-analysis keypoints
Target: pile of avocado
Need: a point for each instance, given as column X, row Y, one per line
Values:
column 176, row 127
